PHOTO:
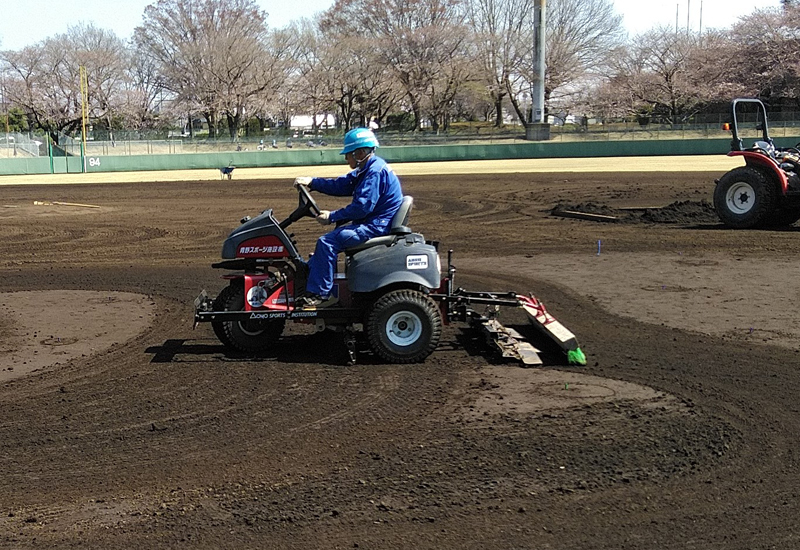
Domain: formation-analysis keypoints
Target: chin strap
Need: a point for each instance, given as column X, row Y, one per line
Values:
column 359, row 162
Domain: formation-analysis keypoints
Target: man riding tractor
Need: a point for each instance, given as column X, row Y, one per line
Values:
column 377, row 196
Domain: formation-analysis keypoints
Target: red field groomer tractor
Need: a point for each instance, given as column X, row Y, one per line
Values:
column 765, row 193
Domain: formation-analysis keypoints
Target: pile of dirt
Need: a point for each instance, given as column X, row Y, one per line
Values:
column 682, row 212
column 679, row 212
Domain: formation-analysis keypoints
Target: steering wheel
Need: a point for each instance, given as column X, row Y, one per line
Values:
column 307, row 203
column 307, row 208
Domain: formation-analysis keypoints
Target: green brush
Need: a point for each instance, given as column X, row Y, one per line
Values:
column 576, row 357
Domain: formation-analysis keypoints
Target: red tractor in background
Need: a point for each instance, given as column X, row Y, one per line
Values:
column 765, row 193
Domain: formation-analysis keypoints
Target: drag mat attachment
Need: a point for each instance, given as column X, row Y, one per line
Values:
column 510, row 343
column 456, row 306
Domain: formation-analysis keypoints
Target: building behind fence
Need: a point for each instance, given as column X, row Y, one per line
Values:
column 13, row 144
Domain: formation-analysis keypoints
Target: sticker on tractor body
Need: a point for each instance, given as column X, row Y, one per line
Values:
column 259, row 295
column 266, row 246
column 417, row 261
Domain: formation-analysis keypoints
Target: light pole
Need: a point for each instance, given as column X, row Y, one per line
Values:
column 537, row 92
column 688, row 14
column 538, row 129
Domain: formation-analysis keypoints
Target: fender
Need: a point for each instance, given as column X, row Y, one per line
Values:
column 752, row 158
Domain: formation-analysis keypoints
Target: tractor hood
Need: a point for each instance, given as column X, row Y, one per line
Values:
column 260, row 237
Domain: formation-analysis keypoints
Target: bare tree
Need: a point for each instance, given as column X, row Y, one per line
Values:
column 44, row 79
column 212, row 52
column 668, row 75
column 282, row 52
column 347, row 75
column 580, row 36
column 422, row 41
column 104, row 57
column 25, row 85
column 311, row 73
column 142, row 95
column 502, row 30
column 763, row 50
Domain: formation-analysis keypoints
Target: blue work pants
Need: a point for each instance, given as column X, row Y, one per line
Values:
column 322, row 264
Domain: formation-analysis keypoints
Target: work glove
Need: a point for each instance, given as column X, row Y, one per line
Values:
column 324, row 217
column 302, row 180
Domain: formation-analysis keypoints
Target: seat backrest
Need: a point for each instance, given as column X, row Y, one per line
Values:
column 397, row 228
column 399, row 225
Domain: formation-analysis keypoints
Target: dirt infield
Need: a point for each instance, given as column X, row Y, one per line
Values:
column 679, row 433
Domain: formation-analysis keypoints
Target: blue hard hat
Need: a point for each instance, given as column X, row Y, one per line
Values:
column 358, row 138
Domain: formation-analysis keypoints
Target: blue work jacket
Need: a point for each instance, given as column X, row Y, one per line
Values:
column 375, row 189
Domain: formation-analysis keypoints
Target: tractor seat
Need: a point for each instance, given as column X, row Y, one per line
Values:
column 397, row 228
column 765, row 148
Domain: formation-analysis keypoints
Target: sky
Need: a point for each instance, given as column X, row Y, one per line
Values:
column 26, row 22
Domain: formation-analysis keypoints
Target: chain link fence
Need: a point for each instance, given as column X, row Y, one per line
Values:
column 632, row 129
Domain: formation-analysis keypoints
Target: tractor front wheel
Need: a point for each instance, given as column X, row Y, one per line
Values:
column 745, row 198
column 404, row 326
column 247, row 336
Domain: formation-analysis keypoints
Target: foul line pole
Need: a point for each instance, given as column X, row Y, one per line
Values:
column 84, row 114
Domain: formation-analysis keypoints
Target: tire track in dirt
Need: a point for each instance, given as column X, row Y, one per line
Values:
column 387, row 385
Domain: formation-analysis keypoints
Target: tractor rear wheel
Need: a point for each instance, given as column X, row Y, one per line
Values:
column 783, row 217
column 745, row 198
column 404, row 326
column 248, row 336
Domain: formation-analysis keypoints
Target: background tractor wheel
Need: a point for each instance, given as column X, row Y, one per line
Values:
column 745, row 198
column 247, row 336
column 404, row 326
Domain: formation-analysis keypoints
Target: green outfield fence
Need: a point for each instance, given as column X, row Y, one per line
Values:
column 99, row 160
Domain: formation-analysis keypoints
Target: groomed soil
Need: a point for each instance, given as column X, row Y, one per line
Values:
column 681, row 431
